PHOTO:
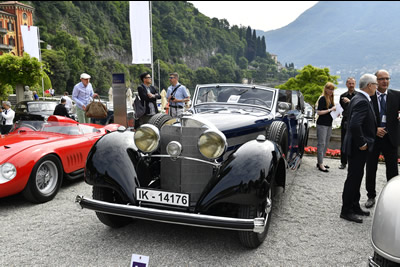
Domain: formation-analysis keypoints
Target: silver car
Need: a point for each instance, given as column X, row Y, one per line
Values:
column 385, row 234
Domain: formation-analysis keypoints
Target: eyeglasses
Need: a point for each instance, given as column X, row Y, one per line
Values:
column 171, row 77
column 147, row 77
column 382, row 79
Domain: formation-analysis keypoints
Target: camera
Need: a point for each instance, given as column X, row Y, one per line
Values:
column 172, row 98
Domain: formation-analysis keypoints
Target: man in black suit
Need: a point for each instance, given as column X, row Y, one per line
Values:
column 60, row 109
column 359, row 140
column 386, row 104
column 344, row 102
column 148, row 95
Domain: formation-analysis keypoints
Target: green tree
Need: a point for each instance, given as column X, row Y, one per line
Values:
column 58, row 70
column 18, row 70
column 310, row 81
column 205, row 75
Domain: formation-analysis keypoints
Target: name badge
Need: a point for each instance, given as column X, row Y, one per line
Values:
column 384, row 118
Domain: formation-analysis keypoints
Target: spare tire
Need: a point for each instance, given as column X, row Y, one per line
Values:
column 159, row 119
column 277, row 132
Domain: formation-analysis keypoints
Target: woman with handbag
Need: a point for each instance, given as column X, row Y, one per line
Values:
column 148, row 95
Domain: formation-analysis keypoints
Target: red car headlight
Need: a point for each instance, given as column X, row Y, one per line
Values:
column 7, row 172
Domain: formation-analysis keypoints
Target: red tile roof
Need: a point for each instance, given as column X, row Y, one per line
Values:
column 14, row 3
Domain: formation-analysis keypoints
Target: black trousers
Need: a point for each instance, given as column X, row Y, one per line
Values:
column 343, row 129
column 382, row 145
column 355, row 172
column 5, row 129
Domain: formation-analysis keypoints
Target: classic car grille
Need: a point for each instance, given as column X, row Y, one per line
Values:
column 182, row 175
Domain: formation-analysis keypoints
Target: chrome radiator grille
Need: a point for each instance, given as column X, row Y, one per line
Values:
column 183, row 175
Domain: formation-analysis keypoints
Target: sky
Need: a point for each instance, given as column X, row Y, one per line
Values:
column 259, row 15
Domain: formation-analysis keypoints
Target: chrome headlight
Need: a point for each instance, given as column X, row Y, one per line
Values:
column 7, row 172
column 212, row 144
column 147, row 138
column 174, row 149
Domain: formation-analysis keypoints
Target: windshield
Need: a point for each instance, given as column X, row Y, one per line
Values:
column 53, row 127
column 37, row 107
column 235, row 94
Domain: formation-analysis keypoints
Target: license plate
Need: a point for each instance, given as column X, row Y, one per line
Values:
column 162, row 197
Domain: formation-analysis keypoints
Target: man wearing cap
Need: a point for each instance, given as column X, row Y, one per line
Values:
column 82, row 95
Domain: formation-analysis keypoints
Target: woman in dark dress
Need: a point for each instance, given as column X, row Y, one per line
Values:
column 325, row 105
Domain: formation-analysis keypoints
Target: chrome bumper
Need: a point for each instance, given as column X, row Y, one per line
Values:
column 256, row 225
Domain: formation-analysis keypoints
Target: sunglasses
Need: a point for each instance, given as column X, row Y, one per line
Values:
column 171, row 78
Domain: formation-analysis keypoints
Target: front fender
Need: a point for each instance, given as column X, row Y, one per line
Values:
column 245, row 177
column 111, row 163
column 386, row 222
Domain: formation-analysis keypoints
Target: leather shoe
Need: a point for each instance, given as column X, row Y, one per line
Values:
column 362, row 212
column 322, row 170
column 326, row 166
column 351, row 217
column 370, row 203
column 342, row 166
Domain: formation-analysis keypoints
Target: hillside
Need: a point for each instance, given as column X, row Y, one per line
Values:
column 94, row 37
column 350, row 37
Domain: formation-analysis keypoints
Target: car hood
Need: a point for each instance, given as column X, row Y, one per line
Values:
column 226, row 121
column 13, row 144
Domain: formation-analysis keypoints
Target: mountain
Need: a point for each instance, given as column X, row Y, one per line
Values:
column 349, row 37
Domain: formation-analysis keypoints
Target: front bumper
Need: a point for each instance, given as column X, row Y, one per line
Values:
column 256, row 225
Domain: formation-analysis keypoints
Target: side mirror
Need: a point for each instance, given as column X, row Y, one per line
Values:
column 283, row 107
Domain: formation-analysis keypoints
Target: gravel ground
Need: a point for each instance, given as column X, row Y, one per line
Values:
column 305, row 231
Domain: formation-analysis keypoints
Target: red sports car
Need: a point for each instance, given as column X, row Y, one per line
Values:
column 36, row 155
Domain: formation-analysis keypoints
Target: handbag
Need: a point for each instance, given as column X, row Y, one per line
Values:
column 96, row 109
column 139, row 108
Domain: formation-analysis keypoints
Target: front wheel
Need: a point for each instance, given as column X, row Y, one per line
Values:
column 109, row 195
column 252, row 239
column 277, row 132
column 45, row 180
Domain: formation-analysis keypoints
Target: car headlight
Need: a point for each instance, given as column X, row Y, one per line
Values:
column 212, row 144
column 7, row 172
column 174, row 149
column 147, row 138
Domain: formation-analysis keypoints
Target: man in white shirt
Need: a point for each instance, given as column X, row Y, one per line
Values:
column 7, row 117
column 68, row 104
column 82, row 95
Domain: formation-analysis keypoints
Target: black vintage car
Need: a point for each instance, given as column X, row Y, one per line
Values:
column 217, row 166
column 28, row 110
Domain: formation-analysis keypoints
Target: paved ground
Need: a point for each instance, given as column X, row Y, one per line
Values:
column 306, row 231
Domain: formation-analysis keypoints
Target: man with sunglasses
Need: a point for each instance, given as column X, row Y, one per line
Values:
column 386, row 103
column 177, row 96
column 148, row 95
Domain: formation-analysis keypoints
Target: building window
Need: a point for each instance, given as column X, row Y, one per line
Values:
column 1, row 24
column 11, row 41
column 1, row 39
column 10, row 26
column 25, row 16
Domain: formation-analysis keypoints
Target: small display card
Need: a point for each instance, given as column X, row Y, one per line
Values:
column 139, row 261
